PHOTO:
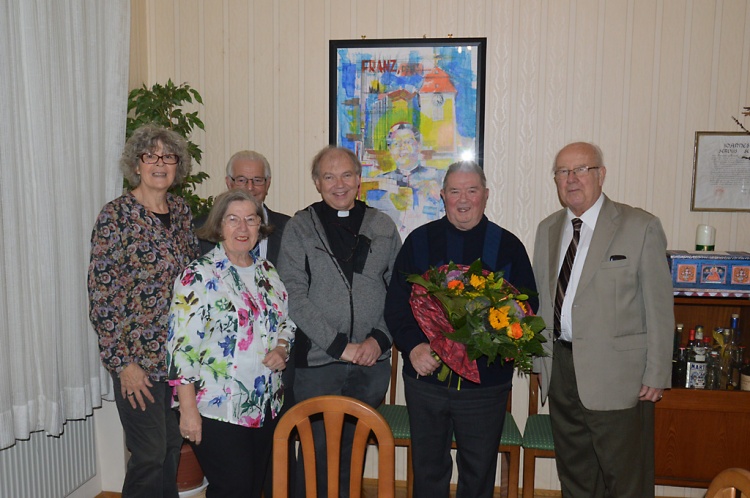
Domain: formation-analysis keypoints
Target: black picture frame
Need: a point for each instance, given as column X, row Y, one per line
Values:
column 389, row 97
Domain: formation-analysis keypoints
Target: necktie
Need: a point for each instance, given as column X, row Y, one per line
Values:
column 564, row 277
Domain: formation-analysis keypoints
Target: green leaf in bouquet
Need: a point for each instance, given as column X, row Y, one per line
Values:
column 475, row 268
column 419, row 280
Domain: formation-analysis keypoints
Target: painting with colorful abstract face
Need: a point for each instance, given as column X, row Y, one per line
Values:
column 408, row 109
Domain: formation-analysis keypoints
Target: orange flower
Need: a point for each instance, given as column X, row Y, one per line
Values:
column 515, row 331
column 456, row 285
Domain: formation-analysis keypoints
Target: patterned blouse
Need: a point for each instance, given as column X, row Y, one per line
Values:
column 135, row 260
column 223, row 322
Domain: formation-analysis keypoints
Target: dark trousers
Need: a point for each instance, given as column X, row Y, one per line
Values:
column 367, row 384
column 153, row 438
column 475, row 417
column 235, row 458
column 598, row 453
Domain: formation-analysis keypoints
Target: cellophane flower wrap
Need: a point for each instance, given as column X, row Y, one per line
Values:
column 467, row 312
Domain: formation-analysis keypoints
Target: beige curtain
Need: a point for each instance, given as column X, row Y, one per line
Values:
column 63, row 99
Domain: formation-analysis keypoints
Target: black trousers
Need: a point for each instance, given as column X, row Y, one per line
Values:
column 235, row 458
column 475, row 416
column 153, row 438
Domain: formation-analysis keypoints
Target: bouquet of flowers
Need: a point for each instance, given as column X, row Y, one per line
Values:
column 467, row 312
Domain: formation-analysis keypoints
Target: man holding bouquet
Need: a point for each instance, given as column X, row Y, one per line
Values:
column 443, row 406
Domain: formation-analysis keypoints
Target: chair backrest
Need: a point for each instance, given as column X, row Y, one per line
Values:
column 333, row 409
column 728, row 482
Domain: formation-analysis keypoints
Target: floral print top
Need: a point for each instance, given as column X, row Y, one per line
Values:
column 223, row 321
column 135, row 260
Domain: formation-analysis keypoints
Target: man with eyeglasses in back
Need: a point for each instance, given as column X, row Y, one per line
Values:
column 251, row 171
column 605, row 293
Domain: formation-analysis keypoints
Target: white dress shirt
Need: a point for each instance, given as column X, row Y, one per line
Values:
column 587, row 232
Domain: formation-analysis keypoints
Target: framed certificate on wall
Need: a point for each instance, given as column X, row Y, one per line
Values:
column 721, row 172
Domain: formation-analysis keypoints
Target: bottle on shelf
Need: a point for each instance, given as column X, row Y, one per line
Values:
column 696, row 367
column 737, row 357
column 729, row 373
column 699, row 347
column 677, row 341
column 718, row 342
column 745, row 376
column 679, row 369
column 676, row 351
column 708, row 343
column 734, row 324
column 713, row 371
column 691, row 340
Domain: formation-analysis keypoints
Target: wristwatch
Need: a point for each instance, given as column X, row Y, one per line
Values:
column 287, row 349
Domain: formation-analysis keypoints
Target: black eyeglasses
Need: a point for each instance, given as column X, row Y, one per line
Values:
column 242, row 181
column 149, row 158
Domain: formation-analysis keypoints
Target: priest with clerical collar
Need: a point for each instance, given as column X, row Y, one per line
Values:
column 336, row 260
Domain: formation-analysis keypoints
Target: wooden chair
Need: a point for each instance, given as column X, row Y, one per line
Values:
column 537, row 438
column 728, row 482
column 510, row 442
column 333, row 410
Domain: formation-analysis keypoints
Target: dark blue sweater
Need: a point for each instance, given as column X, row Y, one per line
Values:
column 438, row 243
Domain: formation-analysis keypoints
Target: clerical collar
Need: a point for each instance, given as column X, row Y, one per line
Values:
column 343, row 214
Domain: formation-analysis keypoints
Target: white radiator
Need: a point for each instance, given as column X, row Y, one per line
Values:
column 49, row 467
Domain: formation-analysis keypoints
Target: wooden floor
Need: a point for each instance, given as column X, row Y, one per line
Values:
column 370, row 490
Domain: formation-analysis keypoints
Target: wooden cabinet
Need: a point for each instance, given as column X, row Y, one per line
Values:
column 700, row 433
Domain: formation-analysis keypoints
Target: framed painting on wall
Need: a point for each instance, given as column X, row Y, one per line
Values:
column 408, row 108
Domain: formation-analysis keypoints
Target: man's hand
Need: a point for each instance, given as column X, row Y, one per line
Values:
column 367, row 353
column 349, row 352
column 650, row 394
column 134, row 386
column 422, row 360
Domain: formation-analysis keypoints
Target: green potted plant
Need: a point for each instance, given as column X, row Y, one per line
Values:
column 162, row 105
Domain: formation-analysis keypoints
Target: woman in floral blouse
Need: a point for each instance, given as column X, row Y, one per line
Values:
column 140, row 243
column 229, row 339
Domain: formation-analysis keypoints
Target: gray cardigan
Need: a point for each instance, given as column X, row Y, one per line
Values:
column 327, row 310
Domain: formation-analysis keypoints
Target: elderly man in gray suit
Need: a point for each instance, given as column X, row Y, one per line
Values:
column 604, row 283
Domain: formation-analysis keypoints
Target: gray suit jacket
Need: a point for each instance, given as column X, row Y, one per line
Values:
column 622, row 314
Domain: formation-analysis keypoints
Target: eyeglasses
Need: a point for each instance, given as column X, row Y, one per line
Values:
column 149, row 158
column 561, row 174
column 233, row 221
column 242, row 181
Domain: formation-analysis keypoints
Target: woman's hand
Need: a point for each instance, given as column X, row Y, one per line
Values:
column 190, row 418
column 134, row 386
column 276, row 358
